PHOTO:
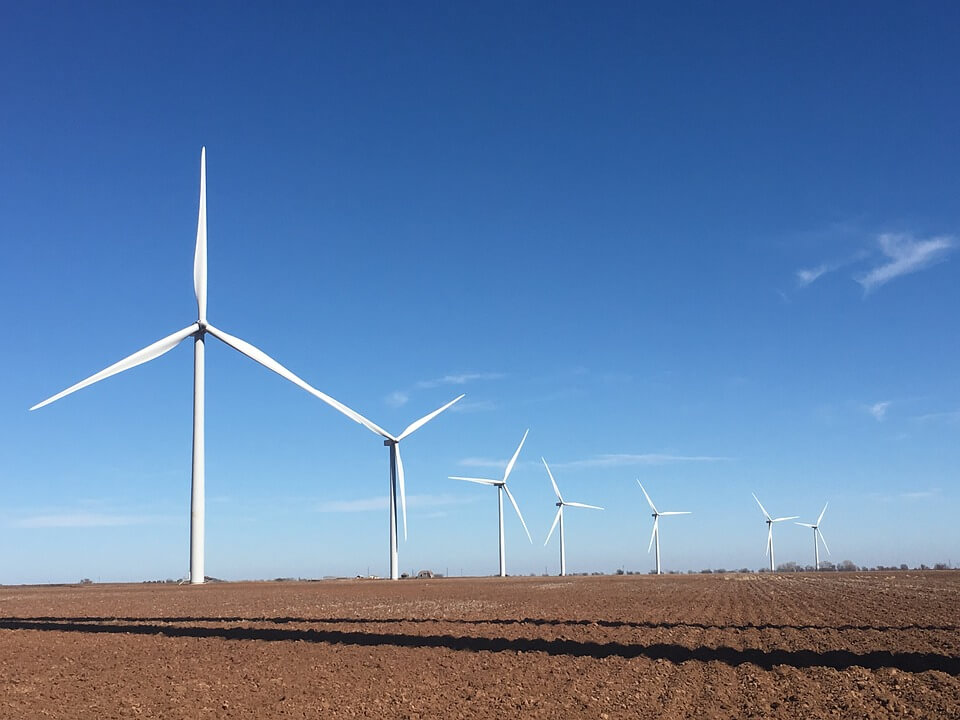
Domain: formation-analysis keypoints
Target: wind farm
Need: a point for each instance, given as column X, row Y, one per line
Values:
column 701, row 257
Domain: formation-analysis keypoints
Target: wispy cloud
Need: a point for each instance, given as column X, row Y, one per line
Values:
column 478, row 462
column 879, row 410
column 86, row 520
column 381, row 503
column 920, row 494
column 472, row 407
column 625, row 459
column 809, row 275
column 458, row 379
column 905, row 254
column 600, row 461
column 950, row 416
column 399, row 398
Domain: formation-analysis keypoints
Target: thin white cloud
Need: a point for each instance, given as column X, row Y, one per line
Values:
column 397, row 398
column 807, row 276
column 626, row 459
column 478, row 462
column 920, row 494
column 85, row 520
column 471, row 407
column 950, row 416
column 458, row 379
column 608, row 460
column 381, row 503
column 879, row 410
column 905, row 255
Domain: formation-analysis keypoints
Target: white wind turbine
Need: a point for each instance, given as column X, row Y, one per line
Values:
column 656, row 522
column 561, row 503
column 501, row 486
column 770, row 522
column 816, row 534
column 396, row 467
column 197, row 331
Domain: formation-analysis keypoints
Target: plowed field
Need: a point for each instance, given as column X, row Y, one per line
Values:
column 722, row 646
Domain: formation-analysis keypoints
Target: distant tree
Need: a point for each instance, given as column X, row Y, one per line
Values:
column 941, row 566
column 706, row 571
column 903, row 566
column 846, row 566
column 744, row 570
column 787, row 567
column 720, row 570
column 619, row 571
column 923, row 567
column 826, row 565
column 86, row 581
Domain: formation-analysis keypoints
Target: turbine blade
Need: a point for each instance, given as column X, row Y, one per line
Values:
column 677, row 512
column 653, row 534
column 552, row 527
column 403, row 492
column 413, row 427
column 482, row 481
column 513, row 460
column 517, row 508
column 821, row 513
column 138, row 358
column 820, row 534
column 765, row 513
column 200, row 254
column 552, row 481
column 268, row 362
column 583, row 505
column 805, row 525
column 649, row 501
column 792, row 517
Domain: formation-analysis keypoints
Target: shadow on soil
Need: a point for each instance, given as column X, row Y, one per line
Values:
column 766, row 659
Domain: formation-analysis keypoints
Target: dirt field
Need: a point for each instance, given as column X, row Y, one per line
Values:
column 798, row 646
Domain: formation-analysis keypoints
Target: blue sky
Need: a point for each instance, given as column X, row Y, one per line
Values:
column 714, row 248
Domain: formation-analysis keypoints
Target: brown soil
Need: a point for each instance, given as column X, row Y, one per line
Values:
column 727, row 646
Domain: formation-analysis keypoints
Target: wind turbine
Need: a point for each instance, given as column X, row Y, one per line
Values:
column 656, row 522
column 770, row 522
column 816, row 534
column 561, row 503
column 502, row 488
column 396, row 466
column 197, row 330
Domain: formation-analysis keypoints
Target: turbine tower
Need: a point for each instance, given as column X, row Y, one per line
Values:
column 197, row 330
column 770, row 522
column 502, row 488
column 561, row 504
column 656, row 522
column 817, row 534
column 396, row 466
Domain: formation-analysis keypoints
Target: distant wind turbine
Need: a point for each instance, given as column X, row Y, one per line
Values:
column 770, row 522
column 197, row 331
column 561, row 503
column 502, row 488
column 396, row 468
column 817, row 534
column 656, row 522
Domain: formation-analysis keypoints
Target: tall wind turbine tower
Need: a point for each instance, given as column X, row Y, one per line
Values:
column 817, row 534
column 770, row 522
column 198, row 331
column 502, row 488
column 561, row 504
column 655, row 535
column 396, row 467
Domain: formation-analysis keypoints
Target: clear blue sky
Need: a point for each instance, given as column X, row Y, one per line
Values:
column 713, row 247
